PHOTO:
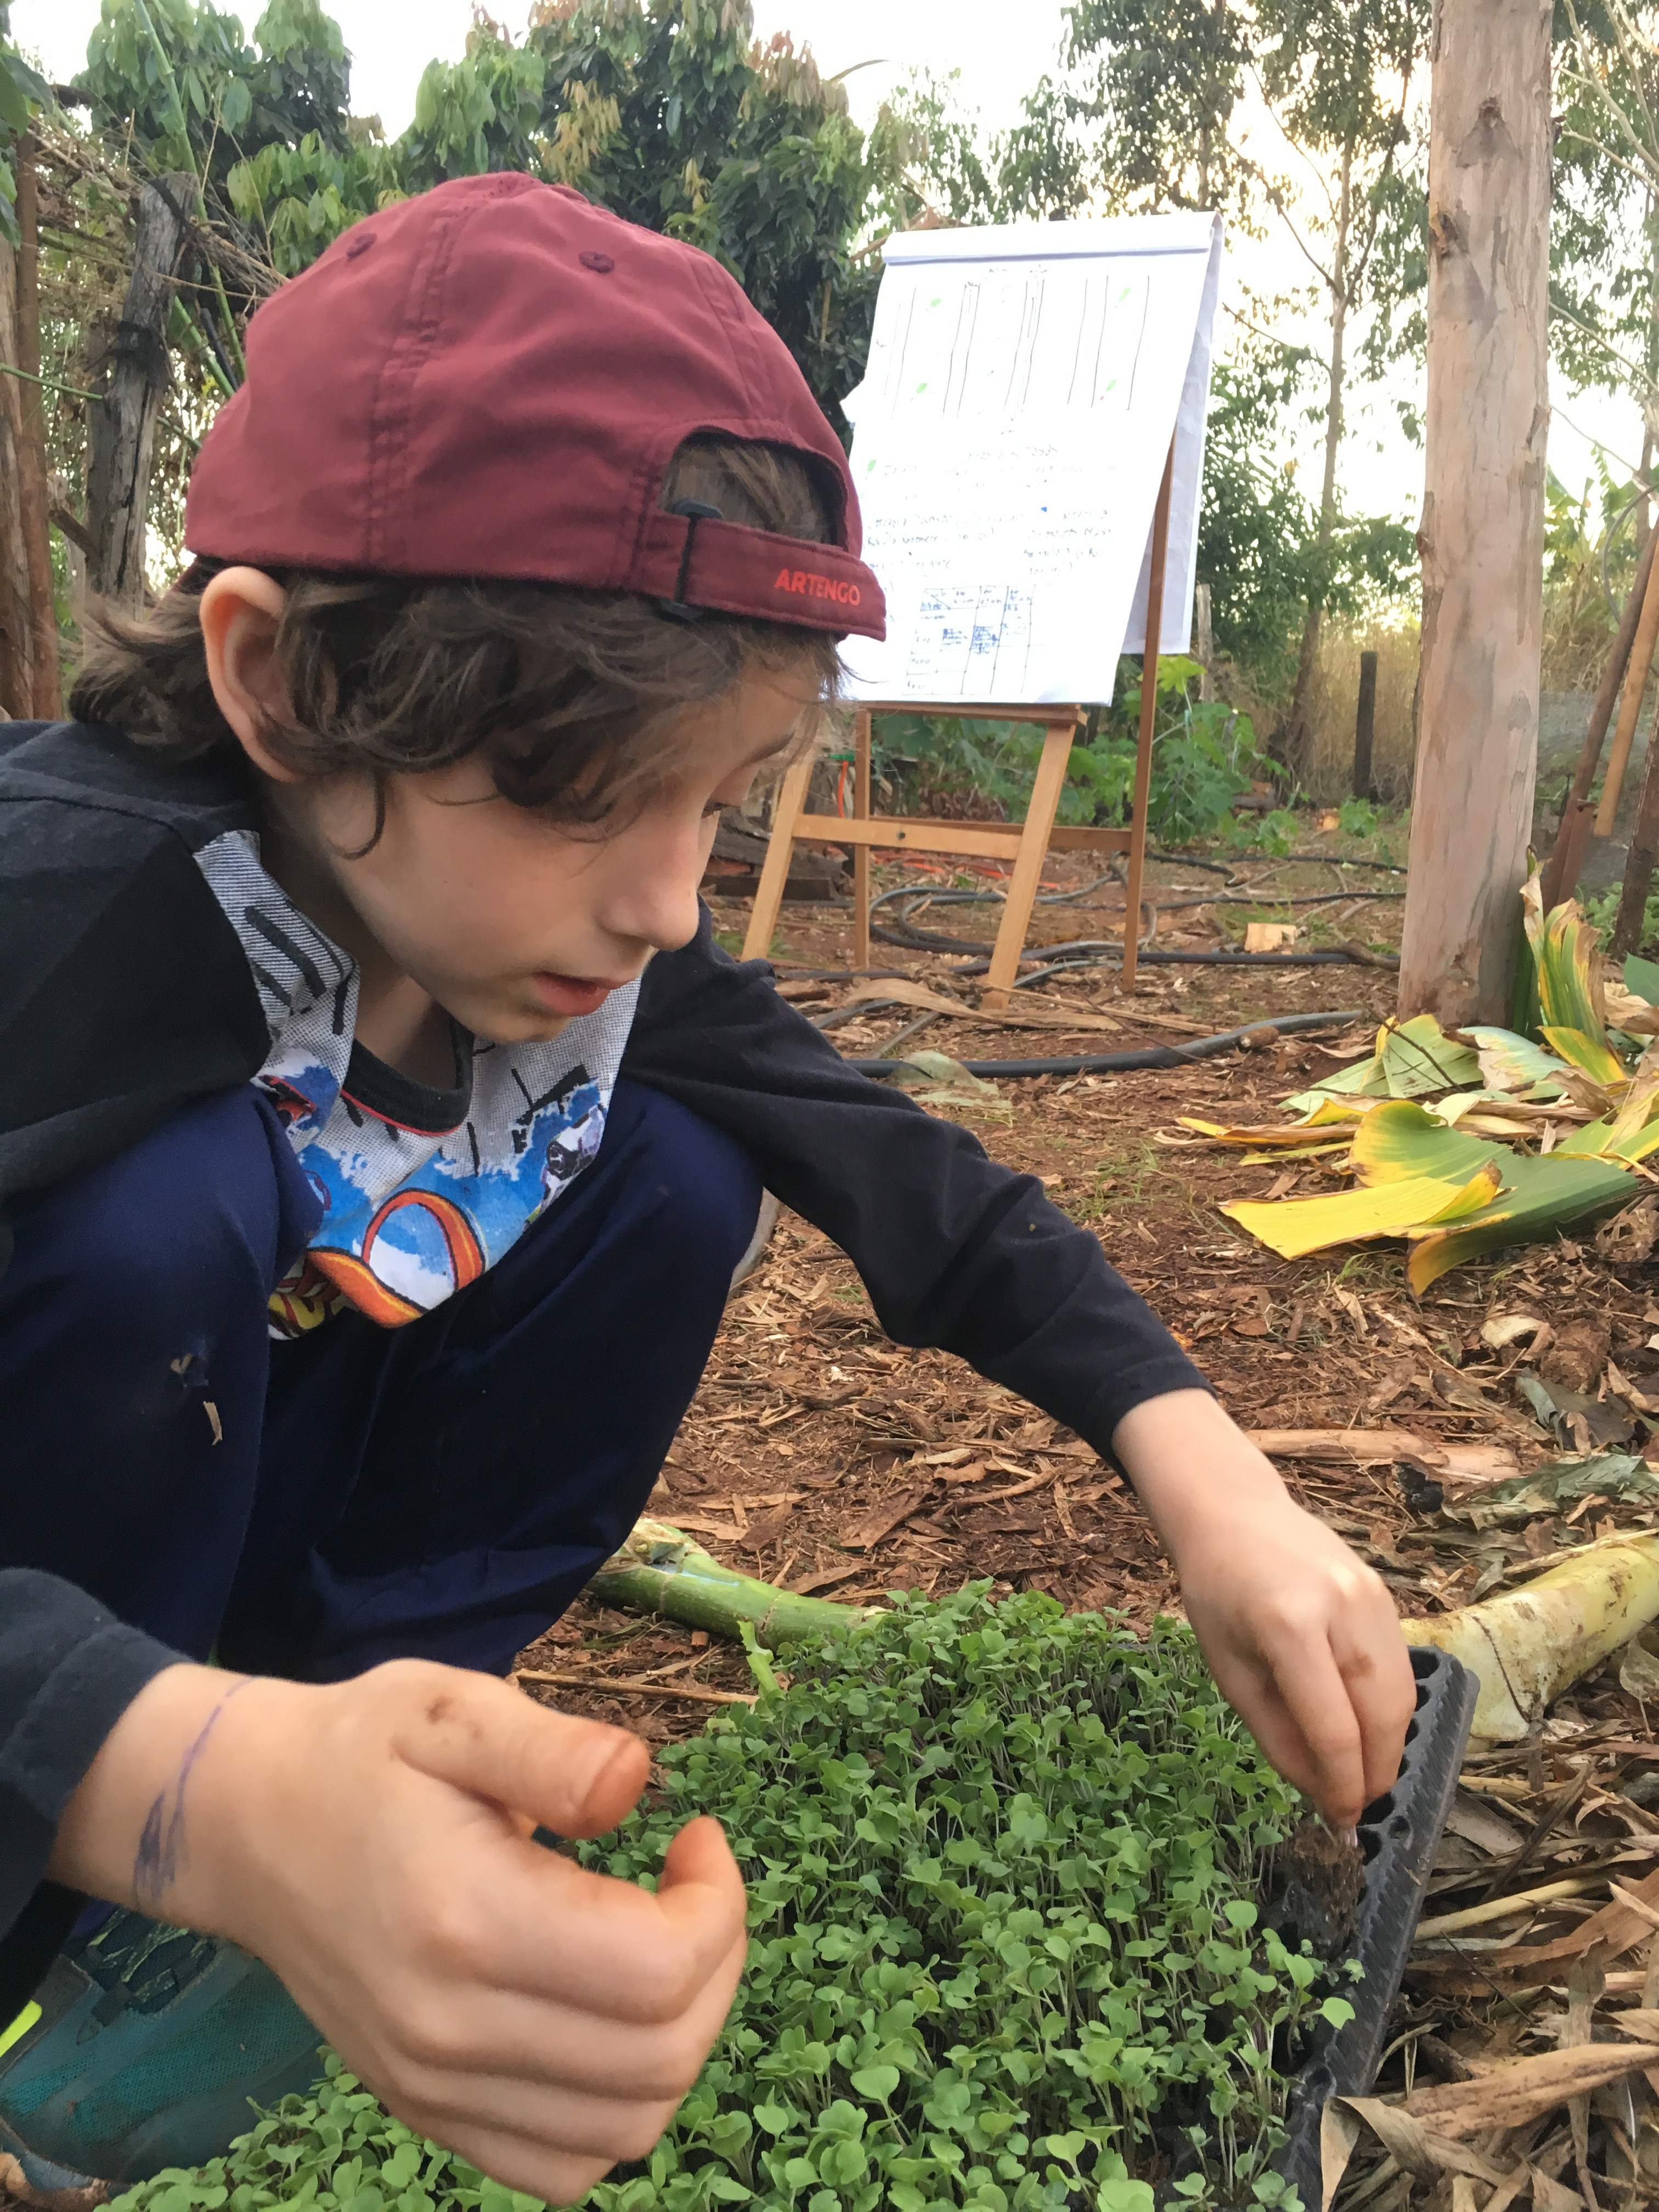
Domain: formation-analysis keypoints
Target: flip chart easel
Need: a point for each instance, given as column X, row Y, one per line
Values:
column 1027, row 844
column 1028, row 450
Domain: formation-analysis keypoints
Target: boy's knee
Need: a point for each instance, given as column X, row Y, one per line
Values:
column 705, row 1190
column 199, row 1216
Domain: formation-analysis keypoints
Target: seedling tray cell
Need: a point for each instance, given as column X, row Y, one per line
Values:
column 1399, row 1836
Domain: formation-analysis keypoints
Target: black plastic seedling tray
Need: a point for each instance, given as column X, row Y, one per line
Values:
column 1399, row 1836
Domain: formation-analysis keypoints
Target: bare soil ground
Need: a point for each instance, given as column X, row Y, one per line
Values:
column 821, row 1456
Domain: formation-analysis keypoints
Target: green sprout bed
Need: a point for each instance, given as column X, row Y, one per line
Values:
column 1006, row 1950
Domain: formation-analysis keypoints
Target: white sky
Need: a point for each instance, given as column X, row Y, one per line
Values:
column 999, row 52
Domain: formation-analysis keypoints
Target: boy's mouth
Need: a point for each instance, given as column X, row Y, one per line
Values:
column 571, row 995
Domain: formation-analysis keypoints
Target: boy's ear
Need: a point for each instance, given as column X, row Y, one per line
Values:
column 241, row 610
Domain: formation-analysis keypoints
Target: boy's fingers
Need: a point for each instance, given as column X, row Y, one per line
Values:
column 700, row 1855
column 1383, row 1692
column 1317, row 1698
column 576, row 1776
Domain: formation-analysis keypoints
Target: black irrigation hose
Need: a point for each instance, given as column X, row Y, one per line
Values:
column 903, row 932
column 1125, row 1063
column 1107, row 953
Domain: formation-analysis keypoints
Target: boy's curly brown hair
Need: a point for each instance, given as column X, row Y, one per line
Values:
column 572, row 695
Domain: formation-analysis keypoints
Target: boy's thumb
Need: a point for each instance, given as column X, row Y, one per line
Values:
column 578, row 1777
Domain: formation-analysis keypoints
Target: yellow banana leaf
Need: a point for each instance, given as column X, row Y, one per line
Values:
column 1312, row 1129
column 1400, row 1141
column 1541, row 1198
column 1565, row 949
column 1591, row 1054
column 1295, row 1226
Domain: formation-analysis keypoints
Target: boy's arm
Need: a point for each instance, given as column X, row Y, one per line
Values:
column 954, row 1249
column 958, row 1252
column 68, row 1671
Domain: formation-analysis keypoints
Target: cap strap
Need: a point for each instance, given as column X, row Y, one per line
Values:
column 702, row 560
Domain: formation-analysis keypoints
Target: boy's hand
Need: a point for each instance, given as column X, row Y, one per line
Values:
column 1302, row 1638
column 370, row 1841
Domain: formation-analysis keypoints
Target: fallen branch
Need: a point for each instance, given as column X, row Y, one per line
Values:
column 638, row 1689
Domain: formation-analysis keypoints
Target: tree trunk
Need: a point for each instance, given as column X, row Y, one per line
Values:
column 16, row 625
column 123, row 429
column 48, row 688
column 1482, row 533
column 1298, row 742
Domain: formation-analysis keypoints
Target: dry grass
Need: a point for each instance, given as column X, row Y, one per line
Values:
column 1335, row 698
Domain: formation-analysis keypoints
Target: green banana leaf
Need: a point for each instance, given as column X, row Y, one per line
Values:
column 1542, row 1197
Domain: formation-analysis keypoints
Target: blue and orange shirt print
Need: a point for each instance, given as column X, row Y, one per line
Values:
column 420, row 1191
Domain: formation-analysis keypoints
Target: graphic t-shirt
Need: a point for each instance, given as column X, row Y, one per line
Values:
column 422, row 1189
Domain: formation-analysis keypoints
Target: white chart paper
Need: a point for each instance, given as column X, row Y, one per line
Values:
column 1023, row 383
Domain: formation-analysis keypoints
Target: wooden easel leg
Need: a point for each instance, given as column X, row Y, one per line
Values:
column 775, row 873
column 1028, row 864
column 1148, row 723
column 861, row 853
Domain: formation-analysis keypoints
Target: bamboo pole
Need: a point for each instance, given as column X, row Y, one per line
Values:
column 1567, row 855
column 1630, row 706
column 47, row 701
column 1643, row 855
column 863, row 746
column 1148, row 721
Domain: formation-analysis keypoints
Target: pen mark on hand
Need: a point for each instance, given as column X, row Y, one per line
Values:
column 163, row 1843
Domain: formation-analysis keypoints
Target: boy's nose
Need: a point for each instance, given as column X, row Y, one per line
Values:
column 652, row 888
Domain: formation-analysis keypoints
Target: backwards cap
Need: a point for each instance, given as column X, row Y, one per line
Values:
column 491, row 380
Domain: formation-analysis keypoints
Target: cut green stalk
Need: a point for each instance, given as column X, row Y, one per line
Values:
column 662, row 1570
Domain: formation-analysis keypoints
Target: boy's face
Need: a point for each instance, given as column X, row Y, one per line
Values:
column 512, row 923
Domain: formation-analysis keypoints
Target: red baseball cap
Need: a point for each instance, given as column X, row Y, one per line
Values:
column 491, row 380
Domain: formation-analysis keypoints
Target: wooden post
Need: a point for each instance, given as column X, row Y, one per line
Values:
column 47, row 687
column 1364, row 726
column 1204, row 638
column 1136, row 868
column 1572, row 838
column 862, row 735
column 1482, row 533
column 16, row 621
column 1640, row 861
column 775, row 869
column 121, row 431
column 1027, row 872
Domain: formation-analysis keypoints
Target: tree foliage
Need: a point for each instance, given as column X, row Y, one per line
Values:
column 1604, row 289
column 668, row 111
column 1157, row 106
column 21, row 91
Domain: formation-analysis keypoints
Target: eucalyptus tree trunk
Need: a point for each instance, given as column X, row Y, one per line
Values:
column 1482, row 533
column 1298, row 744
column 135, row 374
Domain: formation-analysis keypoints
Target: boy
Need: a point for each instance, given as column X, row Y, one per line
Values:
column 381, row 1127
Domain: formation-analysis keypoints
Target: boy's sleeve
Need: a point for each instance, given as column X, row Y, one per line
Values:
column 954, row 1249
column 68, row 1671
